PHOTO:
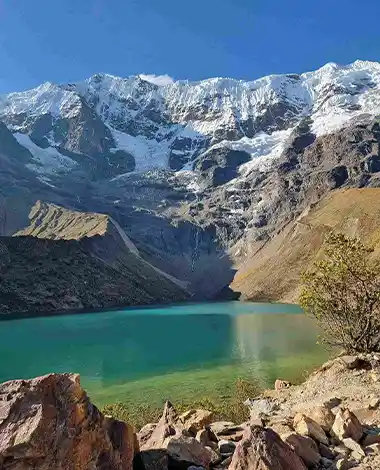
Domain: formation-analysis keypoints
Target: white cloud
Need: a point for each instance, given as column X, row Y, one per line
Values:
column 160, row 80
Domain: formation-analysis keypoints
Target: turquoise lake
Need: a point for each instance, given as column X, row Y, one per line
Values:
column 148, row 355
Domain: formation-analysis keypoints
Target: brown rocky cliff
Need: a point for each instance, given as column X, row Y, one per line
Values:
column 49, row 423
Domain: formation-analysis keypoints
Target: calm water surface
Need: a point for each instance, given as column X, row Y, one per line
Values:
column 178, row 352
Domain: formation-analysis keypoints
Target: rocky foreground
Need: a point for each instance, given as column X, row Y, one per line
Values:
column 332, row 421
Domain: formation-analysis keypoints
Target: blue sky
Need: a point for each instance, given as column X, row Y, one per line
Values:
column 69, row 40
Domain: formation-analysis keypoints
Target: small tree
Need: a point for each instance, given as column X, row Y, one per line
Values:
column 342, row 292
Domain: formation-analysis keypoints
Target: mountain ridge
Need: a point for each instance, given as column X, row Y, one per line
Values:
column 198, row 176
column 69, row 260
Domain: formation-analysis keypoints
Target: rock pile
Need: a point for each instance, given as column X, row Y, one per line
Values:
column 48, row 423
column 323, row 439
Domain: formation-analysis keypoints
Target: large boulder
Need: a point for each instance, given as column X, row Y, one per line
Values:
column 308, row 427
column 187, row 449
column 346, row 424
column 145, row 433
column 49, row 423
column 263, row 449
column 169, row 425
column 304, row 447
column 195, row 420
column 323, row 416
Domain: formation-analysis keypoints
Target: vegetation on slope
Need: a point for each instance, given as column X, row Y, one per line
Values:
column 273, row 273
column 42, row 275
column 342, row 292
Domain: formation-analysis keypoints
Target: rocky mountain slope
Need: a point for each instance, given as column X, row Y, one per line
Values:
column 274, row 272
column 199, row 175
column 70, row 260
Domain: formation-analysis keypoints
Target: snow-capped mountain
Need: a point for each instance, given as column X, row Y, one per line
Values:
column 192, row 171
column 171, row 126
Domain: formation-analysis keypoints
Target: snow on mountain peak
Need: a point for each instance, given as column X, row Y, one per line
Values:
column 160, row 80
column 160, row 121
column 46, row 98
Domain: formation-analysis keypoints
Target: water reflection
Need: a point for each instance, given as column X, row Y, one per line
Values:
column 271, row 338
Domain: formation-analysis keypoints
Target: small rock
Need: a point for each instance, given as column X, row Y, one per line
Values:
column 326, row 452
column 346, row 424
column 374, row 403
column 255, row 422
column 332, row 403
column 194, row 420
column 220, row 427
column 373, row 449
column 375, row 376
column 304, row 447
column 308, row 427
column 207, row 438
column 188, row 449
column 346, row 464
column 226, row 447
column 260, row 407
column 351, row 362
column 215, row 456
column 281, row 384
column 323, row 416
column 353, row 446
column 226, row 430
column 327, row 463
column 145, row 432
column 281, row 428
column 370, row 439
column 263, row 449
column 224, row 464
column 341, row 451
column 342, row 464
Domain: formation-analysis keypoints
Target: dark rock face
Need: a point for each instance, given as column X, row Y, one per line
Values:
column 78, row 261
column 40, row 128
column 180, row 151
column 338, row 176
column 371, row 164
column 10, row 149
column 49, row 422
column 278, row 116
column 111, row 164
column 218, row 166
column 84, row 133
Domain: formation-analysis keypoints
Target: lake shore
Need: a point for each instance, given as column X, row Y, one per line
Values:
column 330, row 421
